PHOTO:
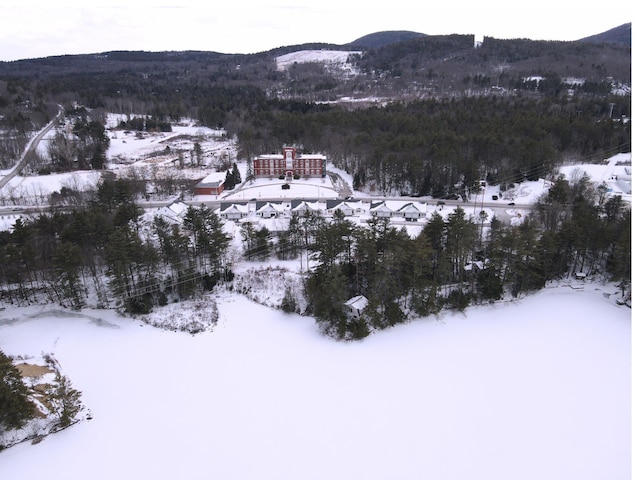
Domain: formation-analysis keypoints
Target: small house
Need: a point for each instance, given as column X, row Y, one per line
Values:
column 269, row 209
column 411, row 212
column 354, row 307
column 381, row 209
column 348, row 208
column 173, row 213
column 233, row 211
column 300, row 207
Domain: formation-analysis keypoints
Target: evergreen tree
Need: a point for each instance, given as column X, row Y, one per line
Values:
column 67, row 263
column 63, row 398
column 15, row 406
column 237, row 178
column 229, row 181
column 208, row 240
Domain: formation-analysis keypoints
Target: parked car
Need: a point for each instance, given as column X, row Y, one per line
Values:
column 440, row 202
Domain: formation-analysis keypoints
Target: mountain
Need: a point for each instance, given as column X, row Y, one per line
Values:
column 389, row 66
column 618, row 36
column 382, row 39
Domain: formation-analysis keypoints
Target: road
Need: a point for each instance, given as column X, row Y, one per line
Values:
column 31, row 147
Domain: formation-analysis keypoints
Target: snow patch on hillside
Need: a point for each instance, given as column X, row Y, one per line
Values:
column 334, row 57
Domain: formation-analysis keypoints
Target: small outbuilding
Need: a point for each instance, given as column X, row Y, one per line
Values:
column 354, row 307
column 212, row 184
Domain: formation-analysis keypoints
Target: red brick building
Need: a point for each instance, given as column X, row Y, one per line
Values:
column 212, row 184
column 290, row 164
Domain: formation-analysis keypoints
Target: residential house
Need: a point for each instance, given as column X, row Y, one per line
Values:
column 300, row 207
column 412, row 211
column 381, row 209
column 354, row 307
column 233, row 211
column 349, row 209
column 173, row 213
column 269, row 209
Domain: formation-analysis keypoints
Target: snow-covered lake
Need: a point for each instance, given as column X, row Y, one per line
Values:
column 534, row 389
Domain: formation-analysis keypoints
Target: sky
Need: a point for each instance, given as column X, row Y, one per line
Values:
column 42, row 29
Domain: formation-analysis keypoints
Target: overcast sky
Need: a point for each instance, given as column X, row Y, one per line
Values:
column 39, row 29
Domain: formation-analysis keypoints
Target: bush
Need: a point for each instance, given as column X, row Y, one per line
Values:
column 139, row 305
column 459, row 300
column 289, row 302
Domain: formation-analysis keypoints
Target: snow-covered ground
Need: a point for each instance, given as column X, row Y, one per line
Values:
column 331, row 57
column 537, row 388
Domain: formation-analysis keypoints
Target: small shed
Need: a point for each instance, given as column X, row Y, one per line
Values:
column 355, row 306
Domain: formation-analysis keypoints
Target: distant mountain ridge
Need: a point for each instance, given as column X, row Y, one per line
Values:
column 619, row 36
column 382, row 39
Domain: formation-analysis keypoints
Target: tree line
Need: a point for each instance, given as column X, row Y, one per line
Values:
column 455, row 262
column 442, row 147
column 102, row 250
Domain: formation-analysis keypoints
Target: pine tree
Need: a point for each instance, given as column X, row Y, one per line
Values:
column 236, row 174
column 15, row 406
column 67, row 263
column 63, row 398
column 229, row 181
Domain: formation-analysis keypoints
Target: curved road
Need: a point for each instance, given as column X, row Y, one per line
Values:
column 31, row 146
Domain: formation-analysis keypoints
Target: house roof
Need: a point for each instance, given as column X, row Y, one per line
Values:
column 358, row 302
column 337, row 203
column 174, row 212
column 233, row 207
column 333, row 203
column 409, row 207
column 262, row 206
column 214, row 179
column 380, row 206
column 299, row 204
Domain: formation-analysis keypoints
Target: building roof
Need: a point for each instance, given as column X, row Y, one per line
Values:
column 409, row 207
column 337, row 203
column 299, row 204
column 174, row 212
column 214, row 179
column 358, row 302
column 380, row 206
column 266, row 206
column 233, row 207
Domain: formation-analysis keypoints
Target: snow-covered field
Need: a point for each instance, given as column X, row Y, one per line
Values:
column 534, row 389
column 331, row 57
